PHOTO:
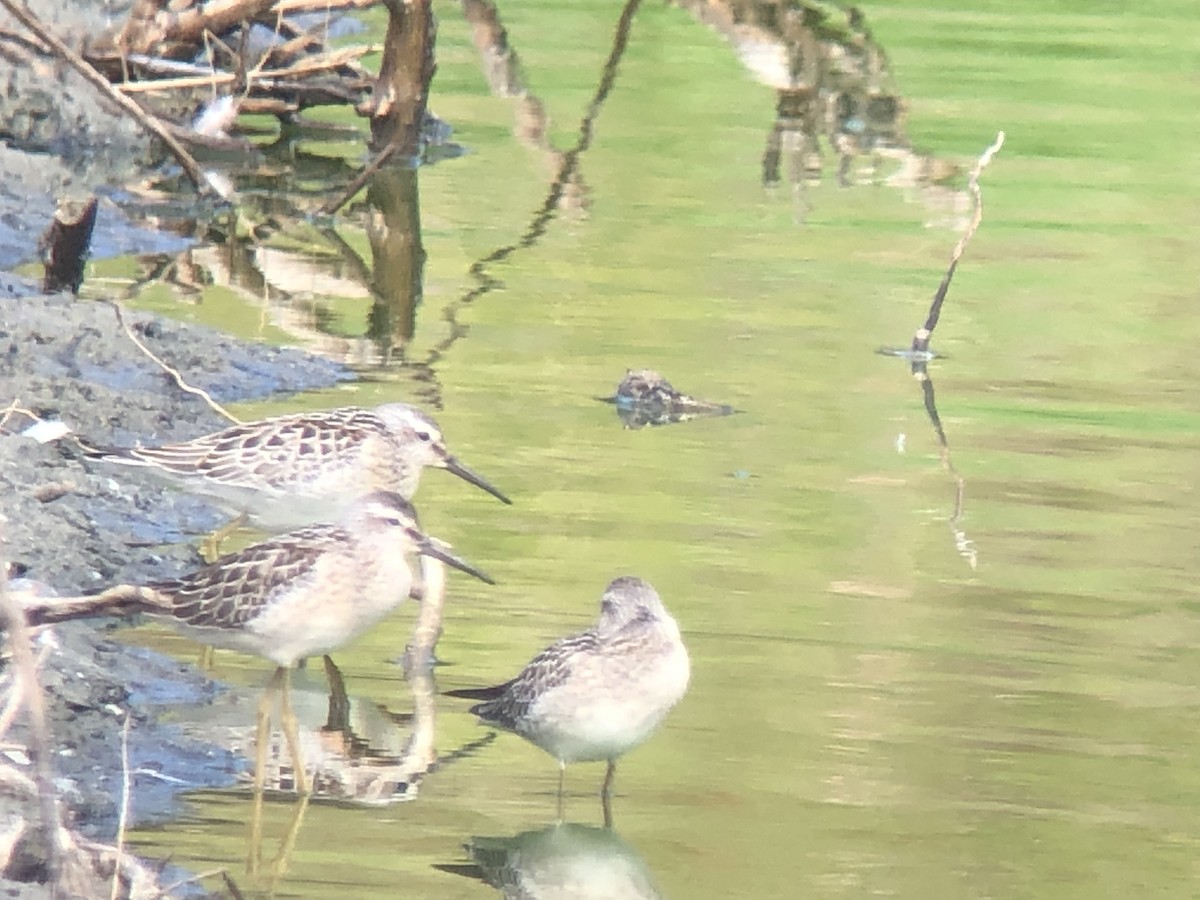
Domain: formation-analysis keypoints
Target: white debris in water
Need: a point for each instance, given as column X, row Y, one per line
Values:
column 221, row 183
column 214, row 120
column 46, row 430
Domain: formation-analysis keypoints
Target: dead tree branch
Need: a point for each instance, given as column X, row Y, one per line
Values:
column 25, row 16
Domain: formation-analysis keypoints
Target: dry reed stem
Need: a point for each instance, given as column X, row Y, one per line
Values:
column 16, row 407
column 25, row 682
column 15, row 702
column 170, row 889
column 123, row 817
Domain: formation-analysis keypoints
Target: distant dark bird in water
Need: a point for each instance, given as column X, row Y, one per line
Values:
column 644, row 398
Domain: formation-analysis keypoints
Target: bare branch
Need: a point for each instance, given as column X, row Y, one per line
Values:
column 123, row 819
column 25, row 16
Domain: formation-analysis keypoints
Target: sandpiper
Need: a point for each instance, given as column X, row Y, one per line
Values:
column 299, row 594
column 599, row 693
column 644, row 398
column 292, row 470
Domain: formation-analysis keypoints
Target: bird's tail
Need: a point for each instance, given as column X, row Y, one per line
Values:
column 122, row 600
column 486, row 693
column 491, row 710
column 104, row 453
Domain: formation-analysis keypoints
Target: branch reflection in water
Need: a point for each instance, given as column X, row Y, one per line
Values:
column 919, row 355
column 562, row 860
column 300, row 271
column 358, row 752
column 963, row 545
column 567, row 191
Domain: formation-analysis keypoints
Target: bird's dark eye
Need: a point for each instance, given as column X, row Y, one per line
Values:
column 424, row 436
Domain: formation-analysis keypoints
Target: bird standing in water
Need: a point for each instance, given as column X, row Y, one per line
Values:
column 596, row 694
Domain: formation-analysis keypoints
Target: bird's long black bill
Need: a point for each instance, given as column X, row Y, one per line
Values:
column 467, row 475
column 436, row 549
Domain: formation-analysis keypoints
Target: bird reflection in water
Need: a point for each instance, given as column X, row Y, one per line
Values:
column 563, row 860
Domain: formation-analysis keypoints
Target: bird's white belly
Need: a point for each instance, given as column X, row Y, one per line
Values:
column 314, row 623
column 581, row 721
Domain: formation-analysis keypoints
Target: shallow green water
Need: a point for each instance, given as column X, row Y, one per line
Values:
column 869, row 714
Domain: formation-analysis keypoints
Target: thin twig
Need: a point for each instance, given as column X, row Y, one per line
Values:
column 12, row 707
column 361, row 179
column 232, row 887
column 920, row 342
column 171, row 888
column 173, row 372
column 15, row 702
column 285, row 7
column 25, row 16
column 16, row 407
column 123, row 818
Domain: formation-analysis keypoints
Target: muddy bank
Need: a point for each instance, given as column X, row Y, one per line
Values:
column 76, row 527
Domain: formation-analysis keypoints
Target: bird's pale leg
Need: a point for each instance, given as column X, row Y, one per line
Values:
column 291, row 732
column 280, row 864
column 210, row 550
column 210, row 546
column 208, row 655
column 254, row 853
column 606, row 793
column 418, row 654
column 262, row 735
column 263, row 732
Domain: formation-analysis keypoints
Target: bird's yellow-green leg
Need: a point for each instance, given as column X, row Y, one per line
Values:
column 210, row 551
